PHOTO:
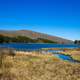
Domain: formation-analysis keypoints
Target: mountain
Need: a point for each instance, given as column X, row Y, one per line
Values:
column 35, row 35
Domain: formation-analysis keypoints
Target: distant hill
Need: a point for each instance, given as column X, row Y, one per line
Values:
column 35, row 35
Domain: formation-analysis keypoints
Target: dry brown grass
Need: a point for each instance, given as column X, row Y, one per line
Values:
column 75, row 54
column 42, row 67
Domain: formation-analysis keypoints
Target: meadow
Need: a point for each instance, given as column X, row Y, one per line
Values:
column 37, row 67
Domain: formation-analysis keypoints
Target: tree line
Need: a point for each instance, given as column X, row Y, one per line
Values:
column 77, row 42
column 23, row 39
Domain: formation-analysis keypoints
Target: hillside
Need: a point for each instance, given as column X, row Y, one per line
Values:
column 35, row 35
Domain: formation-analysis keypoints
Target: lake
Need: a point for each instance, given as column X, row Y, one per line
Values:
column 32, row 46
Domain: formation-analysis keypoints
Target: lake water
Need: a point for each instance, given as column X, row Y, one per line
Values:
column 25, row 46
column 65, row 57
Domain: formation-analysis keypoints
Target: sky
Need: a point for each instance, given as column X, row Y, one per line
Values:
column 55, row 17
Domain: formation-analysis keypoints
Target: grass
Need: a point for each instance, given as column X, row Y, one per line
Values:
column 40, row 67
column 74, row 53
column 77, row 57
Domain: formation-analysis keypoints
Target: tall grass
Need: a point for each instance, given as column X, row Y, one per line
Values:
column 42, row 67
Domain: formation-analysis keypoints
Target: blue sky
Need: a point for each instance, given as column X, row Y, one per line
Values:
column 54, row 17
